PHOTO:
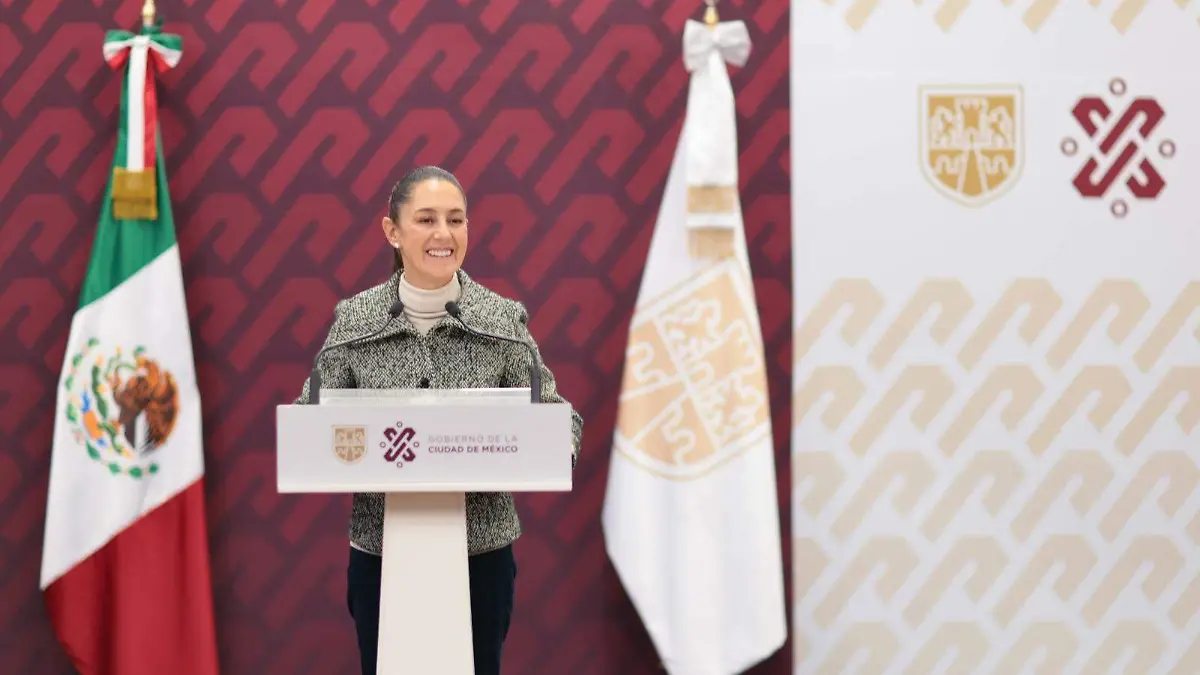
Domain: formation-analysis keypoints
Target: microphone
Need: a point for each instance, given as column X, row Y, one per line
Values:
column 535, row 368
column 314, row 378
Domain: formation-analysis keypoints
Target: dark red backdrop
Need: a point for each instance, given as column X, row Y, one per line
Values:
column 285, row 124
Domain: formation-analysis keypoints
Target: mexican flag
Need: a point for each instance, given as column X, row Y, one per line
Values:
column 125, row 563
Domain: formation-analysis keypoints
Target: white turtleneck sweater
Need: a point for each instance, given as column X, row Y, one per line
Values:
column 424, row 308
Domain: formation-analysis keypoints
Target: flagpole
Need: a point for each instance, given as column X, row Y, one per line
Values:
column 708, row 241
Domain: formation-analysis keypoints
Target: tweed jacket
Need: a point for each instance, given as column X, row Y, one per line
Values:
column 449, row 357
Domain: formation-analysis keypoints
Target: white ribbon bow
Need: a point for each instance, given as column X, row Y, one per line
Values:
column 730, row 38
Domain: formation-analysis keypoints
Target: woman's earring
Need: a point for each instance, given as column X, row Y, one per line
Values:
column 395, row 244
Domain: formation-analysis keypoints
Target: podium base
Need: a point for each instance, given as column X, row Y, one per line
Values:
column 425, row 596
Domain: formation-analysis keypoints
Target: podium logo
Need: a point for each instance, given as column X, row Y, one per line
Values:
column 399, row 444
column 350, row 443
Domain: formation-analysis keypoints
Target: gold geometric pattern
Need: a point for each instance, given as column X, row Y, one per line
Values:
column 1034, row 13
column 997, row 487
column 694, row 392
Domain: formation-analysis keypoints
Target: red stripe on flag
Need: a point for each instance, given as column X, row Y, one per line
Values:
column 150, row 144
column 142, row 604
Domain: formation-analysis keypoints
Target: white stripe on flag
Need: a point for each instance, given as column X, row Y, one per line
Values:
column 135, row 137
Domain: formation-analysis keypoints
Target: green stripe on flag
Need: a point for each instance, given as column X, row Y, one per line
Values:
column 122, row 248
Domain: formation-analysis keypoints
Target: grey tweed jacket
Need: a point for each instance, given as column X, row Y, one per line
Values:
column 450, row 357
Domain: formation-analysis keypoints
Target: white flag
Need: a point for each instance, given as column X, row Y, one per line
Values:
column 690, row 518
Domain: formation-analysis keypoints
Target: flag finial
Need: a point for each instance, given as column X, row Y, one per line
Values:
column 148, row 13
column 710, row 14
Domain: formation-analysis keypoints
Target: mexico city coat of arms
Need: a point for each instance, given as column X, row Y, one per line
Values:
column 120, row 408
column 971, row 140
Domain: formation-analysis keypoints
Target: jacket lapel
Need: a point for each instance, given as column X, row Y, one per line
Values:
column 373, row 311
column 477, row 312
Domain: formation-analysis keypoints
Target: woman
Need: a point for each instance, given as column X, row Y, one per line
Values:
column 426, row 226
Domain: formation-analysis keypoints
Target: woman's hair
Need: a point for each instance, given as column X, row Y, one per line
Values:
column 402, row 193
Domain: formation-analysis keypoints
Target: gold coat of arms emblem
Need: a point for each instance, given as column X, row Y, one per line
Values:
column 350, row 443
column 694, row 390
column 971, row 140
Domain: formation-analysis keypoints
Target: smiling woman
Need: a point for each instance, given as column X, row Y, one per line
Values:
column 423, row 347
column 427, row 226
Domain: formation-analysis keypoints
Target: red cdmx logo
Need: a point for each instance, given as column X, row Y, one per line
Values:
column 398, row 444
column 1123, row 151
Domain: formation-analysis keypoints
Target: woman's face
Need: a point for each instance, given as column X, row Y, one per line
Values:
column 431, row 233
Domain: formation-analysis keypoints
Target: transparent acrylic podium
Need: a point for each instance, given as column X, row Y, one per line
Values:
column 424, row 449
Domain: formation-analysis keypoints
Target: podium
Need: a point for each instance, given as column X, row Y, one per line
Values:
column 424, row 449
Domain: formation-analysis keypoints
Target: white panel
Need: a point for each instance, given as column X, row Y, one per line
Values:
column 995, row 446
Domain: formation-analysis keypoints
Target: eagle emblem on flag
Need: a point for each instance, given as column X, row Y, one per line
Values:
column 121, row 408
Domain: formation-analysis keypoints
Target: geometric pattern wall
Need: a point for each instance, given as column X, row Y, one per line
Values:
column 996, row 480
column 285, row 124
column 1121, row 15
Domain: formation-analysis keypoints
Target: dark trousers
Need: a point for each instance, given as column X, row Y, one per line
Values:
column 493, row 576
